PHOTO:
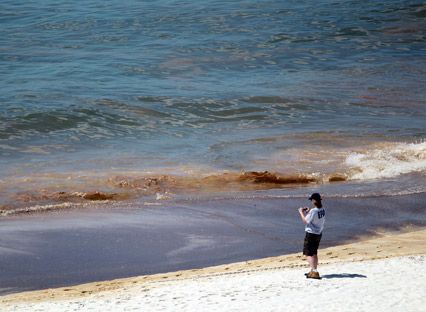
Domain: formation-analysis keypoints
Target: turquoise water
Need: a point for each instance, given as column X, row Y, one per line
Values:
column 202, row 87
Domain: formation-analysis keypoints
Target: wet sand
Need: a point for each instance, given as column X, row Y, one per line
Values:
column 72, row 247
column 184, row 286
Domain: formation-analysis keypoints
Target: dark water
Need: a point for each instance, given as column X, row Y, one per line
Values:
column 95, row 90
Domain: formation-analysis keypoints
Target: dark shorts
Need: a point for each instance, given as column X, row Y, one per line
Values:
column 311, row 243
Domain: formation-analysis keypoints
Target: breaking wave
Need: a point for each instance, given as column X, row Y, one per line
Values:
column 387, row 162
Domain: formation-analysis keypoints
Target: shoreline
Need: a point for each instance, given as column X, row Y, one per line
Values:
column 75, row 247
column 408, row 242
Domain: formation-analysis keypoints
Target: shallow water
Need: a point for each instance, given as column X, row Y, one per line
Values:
column 106, row 92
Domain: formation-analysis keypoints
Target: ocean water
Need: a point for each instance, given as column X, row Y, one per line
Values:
column 164, row 98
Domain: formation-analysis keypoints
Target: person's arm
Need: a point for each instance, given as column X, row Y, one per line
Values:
column 303, row 211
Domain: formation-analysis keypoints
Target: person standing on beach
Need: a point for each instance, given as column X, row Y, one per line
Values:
column 314, row 218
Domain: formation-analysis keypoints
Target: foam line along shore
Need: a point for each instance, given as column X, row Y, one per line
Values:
column 344, row 172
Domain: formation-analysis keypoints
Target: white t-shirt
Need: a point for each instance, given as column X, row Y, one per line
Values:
column 315, row 219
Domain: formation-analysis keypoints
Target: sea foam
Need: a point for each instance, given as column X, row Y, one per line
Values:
column 390, row 161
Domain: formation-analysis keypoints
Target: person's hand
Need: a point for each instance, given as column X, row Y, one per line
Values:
column 303, row 209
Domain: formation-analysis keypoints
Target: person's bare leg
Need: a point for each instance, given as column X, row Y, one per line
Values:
column 313, row 261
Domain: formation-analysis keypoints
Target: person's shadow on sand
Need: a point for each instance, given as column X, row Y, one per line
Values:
column 344, row 275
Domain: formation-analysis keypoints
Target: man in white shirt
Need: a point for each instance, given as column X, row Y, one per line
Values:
column 314, row 218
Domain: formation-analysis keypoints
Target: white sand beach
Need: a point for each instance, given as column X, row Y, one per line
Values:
column 395, row 284
column 381, row 274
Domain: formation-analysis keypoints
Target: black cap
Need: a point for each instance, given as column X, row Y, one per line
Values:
column 315, row 196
